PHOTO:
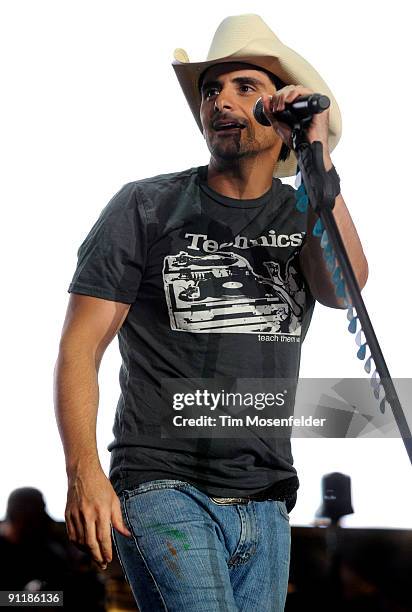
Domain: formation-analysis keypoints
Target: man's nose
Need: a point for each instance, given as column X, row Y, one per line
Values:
column 222, row 101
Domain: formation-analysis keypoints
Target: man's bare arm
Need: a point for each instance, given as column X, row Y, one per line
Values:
column 89, row 327
column 311, row 257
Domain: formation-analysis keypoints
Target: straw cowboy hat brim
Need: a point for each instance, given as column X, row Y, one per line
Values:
column 247, row 38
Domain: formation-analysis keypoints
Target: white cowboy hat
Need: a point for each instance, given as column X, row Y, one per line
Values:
column 247, row 38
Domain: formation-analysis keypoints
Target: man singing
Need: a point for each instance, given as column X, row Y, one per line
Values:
column 208, row 273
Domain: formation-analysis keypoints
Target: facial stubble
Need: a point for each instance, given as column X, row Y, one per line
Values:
column 235, row 146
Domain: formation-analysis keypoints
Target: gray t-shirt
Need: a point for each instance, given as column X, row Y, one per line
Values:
column 207, row 277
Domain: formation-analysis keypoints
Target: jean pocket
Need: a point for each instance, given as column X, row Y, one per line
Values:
column 155, row 485
column 283, row 509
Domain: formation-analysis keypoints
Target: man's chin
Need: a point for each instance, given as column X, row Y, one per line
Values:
column 228, row 153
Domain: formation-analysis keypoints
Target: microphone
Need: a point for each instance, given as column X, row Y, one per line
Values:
column 301, row 108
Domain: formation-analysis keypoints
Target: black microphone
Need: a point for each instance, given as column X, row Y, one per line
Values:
column 301, row 108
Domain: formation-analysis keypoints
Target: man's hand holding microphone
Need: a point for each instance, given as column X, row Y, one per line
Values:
column 318, row 128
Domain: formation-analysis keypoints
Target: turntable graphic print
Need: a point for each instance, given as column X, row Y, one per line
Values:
column 220, row 292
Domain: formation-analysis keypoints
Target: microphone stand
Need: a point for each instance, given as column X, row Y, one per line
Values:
column 321, row 198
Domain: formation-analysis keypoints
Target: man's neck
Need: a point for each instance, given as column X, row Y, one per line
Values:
column 244, row 179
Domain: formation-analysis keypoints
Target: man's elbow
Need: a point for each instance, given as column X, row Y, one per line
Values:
column 364, row 275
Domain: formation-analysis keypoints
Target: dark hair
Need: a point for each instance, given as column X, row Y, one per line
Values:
column 278, row 83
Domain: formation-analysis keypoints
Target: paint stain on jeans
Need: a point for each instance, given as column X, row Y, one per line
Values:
column 172, row 565
column 171, row 532
column 171, row 548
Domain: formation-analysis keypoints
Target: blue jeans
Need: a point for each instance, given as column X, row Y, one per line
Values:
column 189, row 553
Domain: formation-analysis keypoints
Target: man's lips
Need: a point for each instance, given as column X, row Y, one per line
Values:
column 227, row 125
column 228, row 131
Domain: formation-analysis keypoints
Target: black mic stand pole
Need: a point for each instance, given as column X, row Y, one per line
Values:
column 320, row 192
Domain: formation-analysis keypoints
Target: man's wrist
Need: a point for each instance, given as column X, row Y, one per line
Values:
column 327, row 160
column 83, row 464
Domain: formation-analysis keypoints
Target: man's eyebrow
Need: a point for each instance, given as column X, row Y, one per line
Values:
column 241, row 80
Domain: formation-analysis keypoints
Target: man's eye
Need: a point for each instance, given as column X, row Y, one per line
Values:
column 207, row 92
